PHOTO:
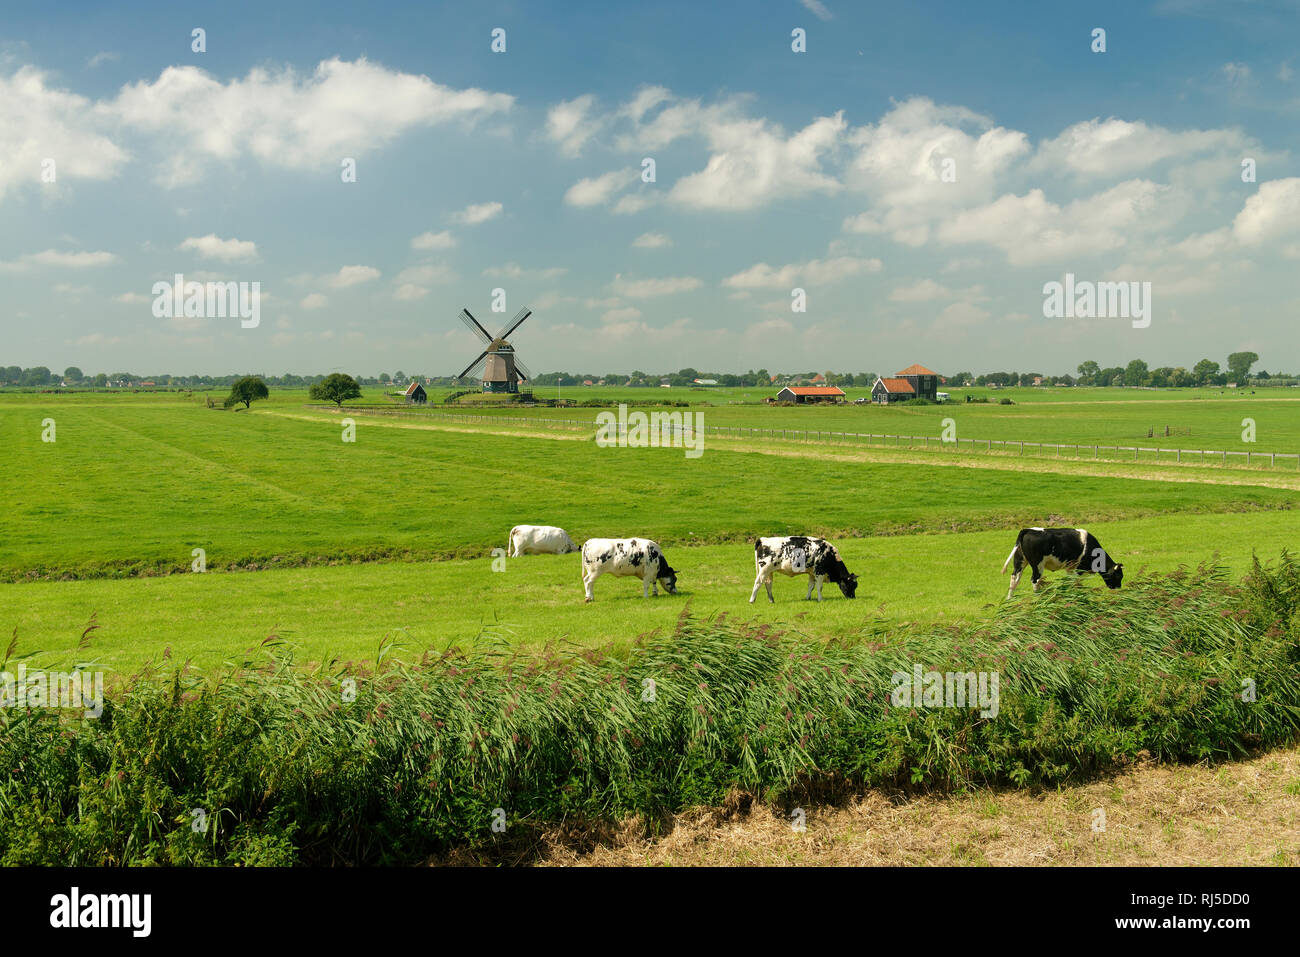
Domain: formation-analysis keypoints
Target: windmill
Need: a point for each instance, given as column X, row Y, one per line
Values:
column 502, row 370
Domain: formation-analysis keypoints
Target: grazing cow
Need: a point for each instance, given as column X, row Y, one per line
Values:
column 1048, row 549
column 639, row 557
column 540, row 540
column 800, row 555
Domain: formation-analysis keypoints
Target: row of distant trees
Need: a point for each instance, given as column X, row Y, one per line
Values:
column 1137, row 374
column 1134, row 375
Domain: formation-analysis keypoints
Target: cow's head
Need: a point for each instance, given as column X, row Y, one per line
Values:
column 667, row 576
column 848, row 584
column 1113, row 577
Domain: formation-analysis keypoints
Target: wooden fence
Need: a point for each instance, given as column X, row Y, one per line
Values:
column 1016, row 447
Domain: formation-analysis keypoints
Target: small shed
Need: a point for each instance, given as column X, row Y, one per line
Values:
column 811, row 393
column 415, row 394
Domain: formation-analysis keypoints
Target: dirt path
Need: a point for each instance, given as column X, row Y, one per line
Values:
column 1241, row 813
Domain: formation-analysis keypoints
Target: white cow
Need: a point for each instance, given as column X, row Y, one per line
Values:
column 540, row 540
column 638, row 557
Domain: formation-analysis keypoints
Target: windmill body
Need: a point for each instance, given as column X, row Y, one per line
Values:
column 497, row 367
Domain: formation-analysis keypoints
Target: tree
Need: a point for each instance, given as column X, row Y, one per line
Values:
column 336, row 388
column 1239, row 364
column 247, row 390
column 72, row 374
column 1135, row 374
column 1205, row 372
column 1088, row 372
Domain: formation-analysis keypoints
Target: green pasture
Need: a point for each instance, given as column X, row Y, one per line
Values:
column 347, row 611
column 134, row 484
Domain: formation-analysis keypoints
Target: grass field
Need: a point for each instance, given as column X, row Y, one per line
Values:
column 337, row 546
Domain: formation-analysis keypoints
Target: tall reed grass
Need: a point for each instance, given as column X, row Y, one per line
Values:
column 286, row 770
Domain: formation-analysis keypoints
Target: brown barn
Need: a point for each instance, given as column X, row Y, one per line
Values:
column 415, row 394
column 810, row 393
column 914, row 382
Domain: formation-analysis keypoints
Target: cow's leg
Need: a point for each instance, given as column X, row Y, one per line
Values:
column 588, row 579
column 645, row 586
column 758, row 583
column 1017, row 570
column 1037, row 578
column 821, row 580
column 811, row 581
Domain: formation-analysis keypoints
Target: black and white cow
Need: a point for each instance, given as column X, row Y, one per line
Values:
column 1048, row 549
column 800, row 555
column 638, row 557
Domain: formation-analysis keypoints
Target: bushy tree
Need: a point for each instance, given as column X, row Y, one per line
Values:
column 337, row 388
column 246, row 390
column 1239, row 364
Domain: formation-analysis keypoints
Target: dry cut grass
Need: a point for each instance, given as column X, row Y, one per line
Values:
column 1244, row 813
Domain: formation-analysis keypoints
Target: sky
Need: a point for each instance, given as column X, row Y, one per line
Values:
column 913, row 177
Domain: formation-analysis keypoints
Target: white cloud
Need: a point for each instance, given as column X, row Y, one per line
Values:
column 314, row 301
column 426, row 273
column 106, row 56
column 1029, row 229
column 515, row 271
column 132, row 298
column 624, row 314
column 477, row 213
column 342, row 109
column 923, row 291
column 652, row 241
column 816, row 8
column 570, row 124
column 1237, row 74
column 54, row 257
column 816, row 271
column 427, row 241
column 1115, row 147
column 631, row 203
column 1273, row 211
column 39, row 123
column 645, row 288
column 352, row 276
column 227, row 250
column 598, row 190
column 409, row 292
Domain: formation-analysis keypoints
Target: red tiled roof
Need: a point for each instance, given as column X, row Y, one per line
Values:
column 411, row 388
column 897, row 385
column 815, row 389
column 916, row 369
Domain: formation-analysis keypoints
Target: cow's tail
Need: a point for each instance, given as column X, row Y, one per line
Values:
column 1014, row 548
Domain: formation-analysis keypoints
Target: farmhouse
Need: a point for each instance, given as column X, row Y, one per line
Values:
column 810, row 393
column 415, row 394
column 914, row 382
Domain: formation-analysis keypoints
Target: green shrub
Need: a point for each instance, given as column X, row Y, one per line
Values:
column 287, row 771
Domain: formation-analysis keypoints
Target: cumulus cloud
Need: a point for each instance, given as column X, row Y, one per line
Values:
column 515, row 271
column 314, row 301
column 41, row 122
column 645, row 288
column 477, row 213
column 570, row 124
column 409, row 292
column 226, row 250
column 55, row 257
column 427, row 241
column 598, row 190
column 1030, row 229
column 285, row 119
column 815, row 271
column 352, row 276
column 652, row 241
column 1273, row 212
column 1115, row 147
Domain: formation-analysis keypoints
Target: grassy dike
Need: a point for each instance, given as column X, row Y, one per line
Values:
column 289, row 767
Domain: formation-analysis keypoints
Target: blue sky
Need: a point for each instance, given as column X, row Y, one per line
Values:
column 822, row 170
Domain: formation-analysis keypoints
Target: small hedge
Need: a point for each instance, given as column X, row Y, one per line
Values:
column 287, row 771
